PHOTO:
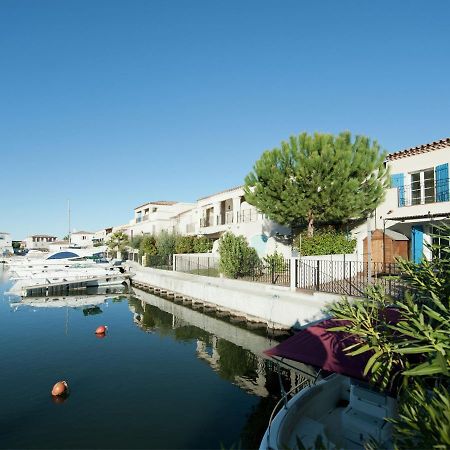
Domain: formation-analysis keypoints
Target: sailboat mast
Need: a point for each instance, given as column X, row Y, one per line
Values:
column 68, row 212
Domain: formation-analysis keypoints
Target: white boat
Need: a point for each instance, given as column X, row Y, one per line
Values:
column 342, row 410
column 61, row 302
column 342, row 413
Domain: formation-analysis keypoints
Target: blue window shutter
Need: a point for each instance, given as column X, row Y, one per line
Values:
column 417, row 243
column 442, row 183
column 398, row 181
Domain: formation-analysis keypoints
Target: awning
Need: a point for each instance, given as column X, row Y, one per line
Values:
column 317, row 346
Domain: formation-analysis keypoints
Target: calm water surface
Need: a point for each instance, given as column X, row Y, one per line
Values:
column 165, row 376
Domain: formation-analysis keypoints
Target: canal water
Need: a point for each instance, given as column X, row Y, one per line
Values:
column 165, row 376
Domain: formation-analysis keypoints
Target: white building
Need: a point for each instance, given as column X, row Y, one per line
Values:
column 154, row 217
column 418, row 198
column 228, row 211
column 82, row 239
column 39, row 241
column 57, row 245
column 5, row 243
column 101, row 236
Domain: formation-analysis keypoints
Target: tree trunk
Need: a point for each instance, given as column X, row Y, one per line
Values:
column 310, row 224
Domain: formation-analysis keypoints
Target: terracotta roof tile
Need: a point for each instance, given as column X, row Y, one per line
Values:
column 425, row 148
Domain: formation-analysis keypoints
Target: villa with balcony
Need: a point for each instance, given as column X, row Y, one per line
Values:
column 154, row 217
column 418, row 199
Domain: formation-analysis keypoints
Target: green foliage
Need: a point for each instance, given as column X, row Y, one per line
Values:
column 423, row 419
column 275, row 261
column 193, row 244
column 118, row 241
column 324, row 242
column 165, row 243
column 136, row 242
column 202, row 244
column 318, row 179
column 237, row 259
column 184, row 244
column 147, row 246
column 416, row 350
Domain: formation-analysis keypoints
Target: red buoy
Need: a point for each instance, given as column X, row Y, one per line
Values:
column 60, row 388
column 101, row 329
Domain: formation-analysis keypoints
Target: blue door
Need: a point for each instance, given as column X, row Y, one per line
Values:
column 417, row 243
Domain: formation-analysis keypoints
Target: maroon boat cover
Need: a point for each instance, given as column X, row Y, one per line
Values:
column 319, row 347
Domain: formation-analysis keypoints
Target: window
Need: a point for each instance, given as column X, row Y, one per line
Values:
column 423, row 187
column 439, row 239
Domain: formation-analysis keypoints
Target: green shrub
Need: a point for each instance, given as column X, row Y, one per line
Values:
column 184, row 244
column 147, row 246
column 237, row 259
column 324, row 242
column 165, row 243
column 202, row 244
column 275, row 261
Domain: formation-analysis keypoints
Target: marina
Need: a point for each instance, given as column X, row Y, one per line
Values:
column 193, row 371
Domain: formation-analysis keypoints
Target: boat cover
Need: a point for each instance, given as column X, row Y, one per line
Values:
column 317, row 346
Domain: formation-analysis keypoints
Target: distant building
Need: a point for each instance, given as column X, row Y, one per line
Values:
column 58, row 245
column 5, row 243
column 101, row 236
column 39, row 241
column 82, row 239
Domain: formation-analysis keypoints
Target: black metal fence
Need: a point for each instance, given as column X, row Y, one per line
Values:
column 197, row 265
column 274, row 272
column 348, row 277
column 159, row 262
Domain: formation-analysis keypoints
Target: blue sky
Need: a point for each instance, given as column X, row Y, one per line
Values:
column 111, row 103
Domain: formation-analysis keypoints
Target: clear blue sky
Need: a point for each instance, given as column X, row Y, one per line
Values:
column 112, row 103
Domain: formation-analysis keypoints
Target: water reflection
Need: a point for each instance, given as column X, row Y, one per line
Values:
column 234, row 353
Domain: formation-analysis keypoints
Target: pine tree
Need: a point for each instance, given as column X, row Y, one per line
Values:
column 318, row 179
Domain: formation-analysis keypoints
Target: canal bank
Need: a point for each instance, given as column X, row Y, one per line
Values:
column 276, row 306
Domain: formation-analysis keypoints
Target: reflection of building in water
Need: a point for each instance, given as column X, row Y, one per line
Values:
column 236, row 354
column 255, row 385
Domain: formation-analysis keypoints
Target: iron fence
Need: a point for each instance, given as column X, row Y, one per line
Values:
column 273, row 272
column 159, row 262
column 197, row 265
column 348, row 277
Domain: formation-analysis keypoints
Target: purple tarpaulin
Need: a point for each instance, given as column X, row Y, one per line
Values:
column 319, row 347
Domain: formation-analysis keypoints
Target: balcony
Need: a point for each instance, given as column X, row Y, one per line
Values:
column 423, row 192
column 232, row 217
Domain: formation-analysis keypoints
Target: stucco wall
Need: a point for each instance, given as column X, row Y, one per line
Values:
column 275, row 305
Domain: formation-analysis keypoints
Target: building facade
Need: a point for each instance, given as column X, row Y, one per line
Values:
column 418, row 198
column 82, row 239
column 39, row 241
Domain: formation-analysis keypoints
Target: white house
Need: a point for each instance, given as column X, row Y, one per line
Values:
column 57, row 245
column 82, row 239
column 39, row 241
column 5, row 243
column 228, row 211
column 418, row 198
column 101, row 236
column 154, row 217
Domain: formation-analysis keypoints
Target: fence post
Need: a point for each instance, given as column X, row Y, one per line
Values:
column 198, row 265
column 318, row 276
column 174, row 262
column 207, row 258
column 272, row 271
column 293, row 274
column 350, row 277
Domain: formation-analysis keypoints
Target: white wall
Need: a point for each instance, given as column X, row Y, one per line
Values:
column 275, row 305
column 82, row 239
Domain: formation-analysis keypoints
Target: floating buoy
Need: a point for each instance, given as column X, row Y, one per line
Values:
column 60, row 388
column 101, row 329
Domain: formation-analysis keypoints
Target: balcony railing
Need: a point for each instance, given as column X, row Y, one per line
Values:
column 419, row 193
column 230, row 217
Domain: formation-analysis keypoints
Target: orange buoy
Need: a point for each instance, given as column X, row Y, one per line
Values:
column 60, row 388
column 101, row 329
